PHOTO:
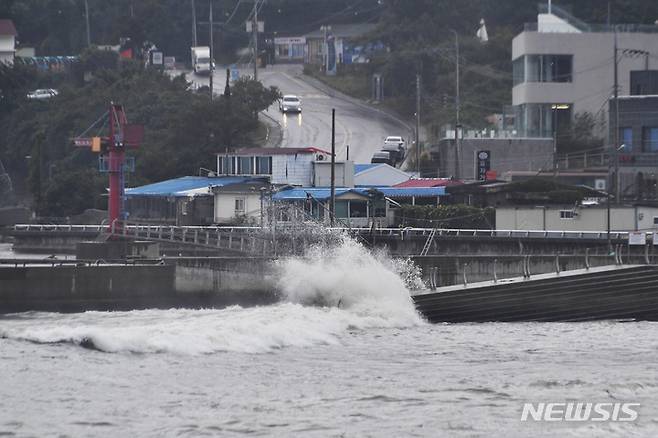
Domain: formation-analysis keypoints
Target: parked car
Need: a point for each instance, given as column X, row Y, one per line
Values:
column 289, row 103
column 382, row 157
column 394, row 140
column 396, row 146
column 42, row 93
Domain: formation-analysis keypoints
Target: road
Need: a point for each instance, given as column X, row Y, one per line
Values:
column 358, row 126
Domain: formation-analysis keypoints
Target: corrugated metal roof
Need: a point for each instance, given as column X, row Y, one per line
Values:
column 358, row 168
column 418, row 192
column 186, row 186
column 429, row 182
column 323, row 193
column 320, row 193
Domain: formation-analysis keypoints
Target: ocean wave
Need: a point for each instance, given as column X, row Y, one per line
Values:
column 328, row 293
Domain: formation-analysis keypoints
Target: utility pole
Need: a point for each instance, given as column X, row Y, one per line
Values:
column 194, row 38
column 554, row 108
column 616, row 124
column 212, row 70
column 87, row 20
column 457, row 108
column 418, row 123
column 254, row 29
column 332, row 204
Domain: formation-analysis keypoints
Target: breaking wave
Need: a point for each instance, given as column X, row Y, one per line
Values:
column 328, row 293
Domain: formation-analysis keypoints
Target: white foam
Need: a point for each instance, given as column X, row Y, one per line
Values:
column 371, row 295
column 351, row 277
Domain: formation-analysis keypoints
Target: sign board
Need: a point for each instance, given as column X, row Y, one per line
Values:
column 157, row 58
column 290, row 40
column 482, row 164
column 83, row 142
column 170, row 62
column 654, row 238
column 491, row 175
column 637, row 238
column 250, row 26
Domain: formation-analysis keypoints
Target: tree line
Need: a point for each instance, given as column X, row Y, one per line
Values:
column 184, row 129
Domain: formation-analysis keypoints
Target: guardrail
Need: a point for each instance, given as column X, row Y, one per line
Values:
column 54, row 261
column 157, row 230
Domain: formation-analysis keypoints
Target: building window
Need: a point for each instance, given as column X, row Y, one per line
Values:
column 341, row 209
column 239, row 206
column 537, row 119
column 567, row 214
column 626, row 137
column 264, row 165
column 358, row 209
column 655, row 220
column 649, row 139
column 245, row 166
column 518, row 70
column 549, row 68
column 226, row 165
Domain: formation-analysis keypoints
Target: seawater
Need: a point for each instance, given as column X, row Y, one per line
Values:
column 343, row 354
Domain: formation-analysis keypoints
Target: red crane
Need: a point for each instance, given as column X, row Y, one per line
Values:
column 112, row 158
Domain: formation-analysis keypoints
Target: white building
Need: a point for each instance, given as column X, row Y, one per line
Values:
column 563, row 66
column 241, row 203
column 293, row 166
column 7, row 41
column 579, row 218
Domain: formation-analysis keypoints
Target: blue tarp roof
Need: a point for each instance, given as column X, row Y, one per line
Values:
column 181, row 186
column 358, row 168
column 323, row 193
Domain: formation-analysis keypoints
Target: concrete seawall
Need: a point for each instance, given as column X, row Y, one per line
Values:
column 203, row 282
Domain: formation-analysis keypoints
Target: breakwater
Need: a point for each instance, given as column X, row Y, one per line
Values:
column 185, row 282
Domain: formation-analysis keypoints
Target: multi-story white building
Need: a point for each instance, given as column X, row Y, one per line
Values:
column 7, row 41
column 294, row 166
column 563, row 66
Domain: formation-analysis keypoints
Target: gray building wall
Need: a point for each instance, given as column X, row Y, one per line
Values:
column 592, row 74
column 507, row 154
column 584, row 218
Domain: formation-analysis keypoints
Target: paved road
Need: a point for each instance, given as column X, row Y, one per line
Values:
column 357, row 125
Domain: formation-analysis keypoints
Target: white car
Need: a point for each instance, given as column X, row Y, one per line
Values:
column 396, row 146
column 394, row 140
column 290, row 103
column 43, row 93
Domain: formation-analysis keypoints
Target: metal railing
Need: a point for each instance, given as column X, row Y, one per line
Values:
column 602, row 159
column 157, row 230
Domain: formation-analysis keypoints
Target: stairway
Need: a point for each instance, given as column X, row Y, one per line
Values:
column 611, row 292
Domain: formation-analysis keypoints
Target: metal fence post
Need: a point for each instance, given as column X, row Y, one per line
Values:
column 557, row 264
